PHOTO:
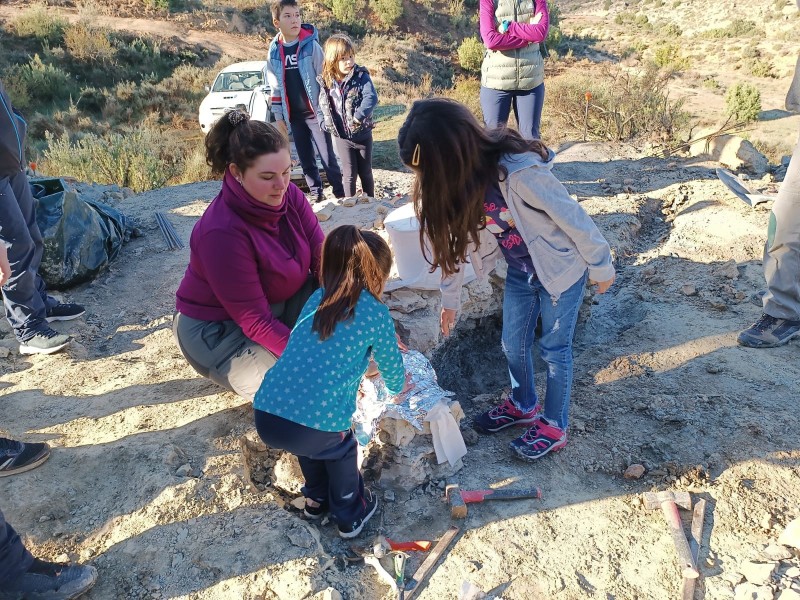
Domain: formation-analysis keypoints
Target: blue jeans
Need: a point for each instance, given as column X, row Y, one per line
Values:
column 24, row 294
column 527, row 104
column 307, row 136
column 14, row 558
column 524, row 300
column 328, row 460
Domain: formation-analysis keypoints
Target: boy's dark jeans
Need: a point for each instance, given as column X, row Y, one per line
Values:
column 356, row 157
column 307, row 136
column 328, row 461
column 24, row 294
column 14, row 558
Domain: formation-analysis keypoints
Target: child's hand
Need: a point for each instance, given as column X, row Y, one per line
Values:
column 407, row 387
column 401, row 344
column 5, row 268
column 447, row 320
column 602, row 286
column 535, row 19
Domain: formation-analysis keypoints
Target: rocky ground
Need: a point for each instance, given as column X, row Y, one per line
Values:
column 147, row 479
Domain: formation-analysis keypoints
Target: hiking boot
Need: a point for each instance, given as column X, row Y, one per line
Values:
column 315, row 512
column 50, row 581
column 45, row 342
column 539, row 440
column 64, row 312
column 18, row 457
column 504, row 416
column 351, row 530
column 769, row 332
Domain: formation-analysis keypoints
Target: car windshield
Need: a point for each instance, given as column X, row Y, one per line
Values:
column 237, row 82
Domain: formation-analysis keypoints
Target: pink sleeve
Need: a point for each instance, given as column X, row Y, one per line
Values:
column 493, row 39
column 233, row 277
column 532, row 33
column 310, row 225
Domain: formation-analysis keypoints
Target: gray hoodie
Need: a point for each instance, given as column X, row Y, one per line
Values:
column 12, row 137
column 562, row 239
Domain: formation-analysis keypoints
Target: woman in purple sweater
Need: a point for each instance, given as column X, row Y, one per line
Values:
column 254, row 259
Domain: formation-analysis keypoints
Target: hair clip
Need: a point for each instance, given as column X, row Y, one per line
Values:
column 415, row 156
column 236, row 116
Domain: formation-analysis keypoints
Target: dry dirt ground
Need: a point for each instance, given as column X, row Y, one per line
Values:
column 147, row 482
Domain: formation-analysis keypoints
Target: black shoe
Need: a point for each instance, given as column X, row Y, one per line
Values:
column 769, row 332
column 315, row 512
column 18, row 457
column 45, row 342
column 50, row 581
column 351, row 530
column 64, row 312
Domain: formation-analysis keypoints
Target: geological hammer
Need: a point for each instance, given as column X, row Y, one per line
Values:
column 669, row 501
column 458, row 498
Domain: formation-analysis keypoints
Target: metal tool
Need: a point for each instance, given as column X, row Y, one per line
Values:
column 458, row 498
column 669, row 501
column 733, row 184
column 423, row 572
column 399, row 559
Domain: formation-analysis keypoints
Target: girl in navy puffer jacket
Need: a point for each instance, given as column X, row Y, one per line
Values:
column 346, row 100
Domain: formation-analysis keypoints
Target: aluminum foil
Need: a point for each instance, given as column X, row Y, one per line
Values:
column 375, row 401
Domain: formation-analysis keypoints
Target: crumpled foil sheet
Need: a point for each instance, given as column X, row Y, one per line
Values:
column 375, row 400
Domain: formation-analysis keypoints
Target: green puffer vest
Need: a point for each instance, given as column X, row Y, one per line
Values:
column 521, row 69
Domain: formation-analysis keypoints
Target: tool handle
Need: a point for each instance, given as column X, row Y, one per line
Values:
column 698, row 519
column 501, row 494
column 419, row 545
column 688, row 564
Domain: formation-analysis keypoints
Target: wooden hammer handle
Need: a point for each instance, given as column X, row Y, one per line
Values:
column 688, row 564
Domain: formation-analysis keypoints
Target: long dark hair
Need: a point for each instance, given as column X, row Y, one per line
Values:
column 237, row 139
column 454, row 159
column 352, row 260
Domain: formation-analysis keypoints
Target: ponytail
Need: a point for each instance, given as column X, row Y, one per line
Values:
column 237, row 139
column 352, row 260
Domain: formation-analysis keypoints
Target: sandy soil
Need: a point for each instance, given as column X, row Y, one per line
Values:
column 146, row 480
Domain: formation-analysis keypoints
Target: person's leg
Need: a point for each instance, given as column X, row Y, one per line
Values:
column 781, row 319
column 348, row 156
column 364, row 159
column 222, row 352
column 324, row 145
column 496, row 106
column 14, row 557
column 520, row 312
column 303, row 142
column 25, row 308
column 327, row 459
column 528, row 111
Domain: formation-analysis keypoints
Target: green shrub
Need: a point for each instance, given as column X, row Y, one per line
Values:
column 347, row 11
column 671, row 30
column 389, row 11
column 607, row 4
column 554, row 35
column 710, row 83
column 743, row 102
column 470, row 54
column 641, row 21
column 761, row 68
column 669, row 57
column 737, row 28
column 88, row 42
column 37, row 84
column 467, row 90
column 41, row 22
column 139, row 159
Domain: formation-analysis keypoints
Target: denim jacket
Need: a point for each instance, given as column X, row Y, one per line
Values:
column 562, row 239
column 12, row 137
column 309, row 61
column 359, row 99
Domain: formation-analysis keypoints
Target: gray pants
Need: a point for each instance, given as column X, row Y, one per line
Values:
column 222, row 352
column 782, row 250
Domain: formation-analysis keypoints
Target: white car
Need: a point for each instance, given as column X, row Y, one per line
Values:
column 233, row 86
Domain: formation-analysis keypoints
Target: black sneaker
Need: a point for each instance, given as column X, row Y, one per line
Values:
column 351, row 530
column 315, row 512
column 769, row 332
column 45, row 342
column 64, row 312
column 50, row 581
column 18, row 457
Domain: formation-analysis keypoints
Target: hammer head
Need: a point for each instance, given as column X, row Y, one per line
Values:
column 458, row 509
column 656, row 499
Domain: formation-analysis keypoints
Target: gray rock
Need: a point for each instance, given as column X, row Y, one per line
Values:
column 184, row 470
column 759, row 573
column 750, row 591
column 791, row 535
column 776, row 552
column 300, row 536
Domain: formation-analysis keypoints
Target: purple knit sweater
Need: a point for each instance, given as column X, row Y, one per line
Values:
column 246, row 255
